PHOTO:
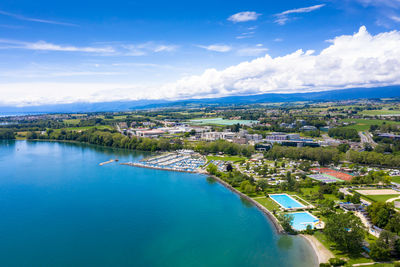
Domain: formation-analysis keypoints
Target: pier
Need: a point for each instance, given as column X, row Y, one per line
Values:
column 107, row 162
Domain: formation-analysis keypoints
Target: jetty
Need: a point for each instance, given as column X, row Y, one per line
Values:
column 107, row 162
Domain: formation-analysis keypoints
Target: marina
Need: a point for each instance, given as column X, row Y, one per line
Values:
column 181, row 161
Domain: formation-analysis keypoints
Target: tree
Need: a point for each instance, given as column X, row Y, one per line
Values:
column 346, row 230
column 379, row 252
column 247, row 187
column 343, row 147
column 393, row 224
column 212, row 169
column 381, row 213
column 356, row 198
column 229, row 167
column 286, row 221
column 368, row 147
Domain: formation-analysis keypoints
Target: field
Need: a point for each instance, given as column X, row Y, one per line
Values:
column 396, row 179
column 363, row 125
column 72, row 121
column 381, row 112
column 374, row 192
column 268, row 203
column 220, row 121
column 380, row 198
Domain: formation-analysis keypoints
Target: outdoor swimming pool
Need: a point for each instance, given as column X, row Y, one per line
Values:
column 286, row 201
column 302, row 219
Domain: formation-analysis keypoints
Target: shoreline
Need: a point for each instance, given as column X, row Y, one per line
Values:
column 323, row 254
column 265, row 211
column 278, row 228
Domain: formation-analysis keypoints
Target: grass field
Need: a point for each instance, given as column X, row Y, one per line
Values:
column 219, row 121
column 227, row 158
column 363, row 125
column 379, row 198
column 396, row 179
column 381, row 112
column 268, row 203
column 72, row 121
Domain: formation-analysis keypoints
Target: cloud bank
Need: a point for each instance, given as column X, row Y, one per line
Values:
column 358, row 60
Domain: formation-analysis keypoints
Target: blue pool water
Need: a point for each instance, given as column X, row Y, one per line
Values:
column 286, row 201
column 302, row 219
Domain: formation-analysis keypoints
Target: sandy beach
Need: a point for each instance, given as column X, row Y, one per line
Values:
column 323, row 254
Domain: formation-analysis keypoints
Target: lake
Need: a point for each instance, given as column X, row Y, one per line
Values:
column 58, row 207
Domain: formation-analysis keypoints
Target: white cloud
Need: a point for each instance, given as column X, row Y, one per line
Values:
column 395, row 18
column 252, row 51
column 283, row 17
column 119, row 49
column 216, row 47
column 358, row 60
column 380, row 3
column 244, row 16
column 165, row 48
column 146, row 48
column 45, row 46
column 20, row 17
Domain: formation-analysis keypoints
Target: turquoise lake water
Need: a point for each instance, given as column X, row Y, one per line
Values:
column 58, row 207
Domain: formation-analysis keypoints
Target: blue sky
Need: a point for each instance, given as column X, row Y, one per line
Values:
column 68, row 51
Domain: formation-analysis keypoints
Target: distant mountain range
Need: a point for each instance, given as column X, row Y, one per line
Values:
column 345, row 94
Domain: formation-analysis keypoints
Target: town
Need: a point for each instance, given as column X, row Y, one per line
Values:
column 326, row 170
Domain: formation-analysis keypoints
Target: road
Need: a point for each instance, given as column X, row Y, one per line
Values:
column 366, row 137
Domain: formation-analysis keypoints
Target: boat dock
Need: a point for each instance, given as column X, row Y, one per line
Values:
column 107, row 162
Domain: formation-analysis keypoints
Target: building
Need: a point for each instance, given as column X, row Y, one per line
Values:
column 388, row 135
column 212, row 136
column 308, row 128
column 149, row 133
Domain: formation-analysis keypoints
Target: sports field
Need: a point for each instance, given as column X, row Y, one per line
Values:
column 374, row 192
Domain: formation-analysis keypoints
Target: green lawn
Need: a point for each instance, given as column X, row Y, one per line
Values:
column 72, row 121
column 396, row 179
column 218, row 121
column 380, row 112
column 363, row 125
column 268, row 203
column 379, row 198
column 226, row 158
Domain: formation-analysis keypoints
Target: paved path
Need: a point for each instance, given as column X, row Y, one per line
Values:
column 393, row 199
column 367, row 224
